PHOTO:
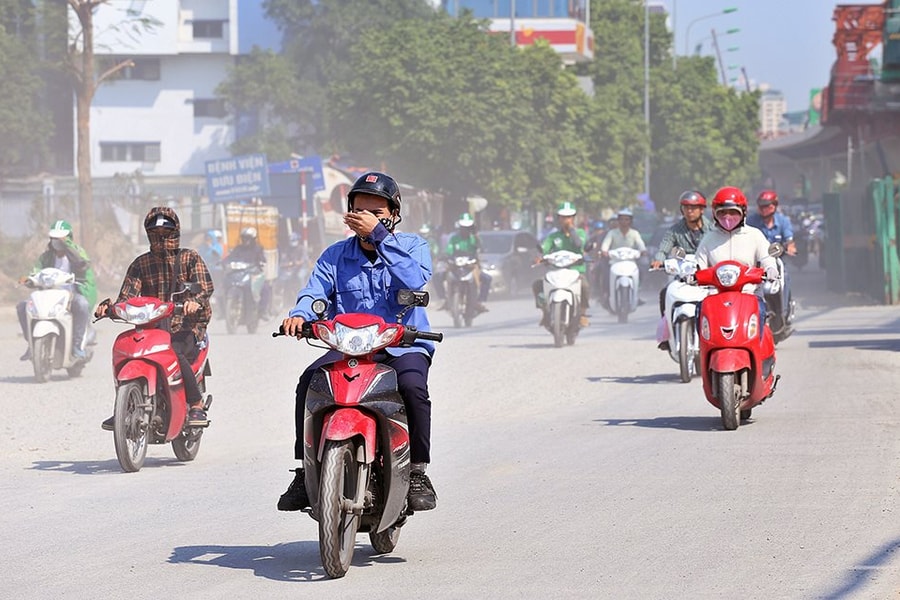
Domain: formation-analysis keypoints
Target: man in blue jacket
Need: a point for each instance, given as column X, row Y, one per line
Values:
column 363, row 274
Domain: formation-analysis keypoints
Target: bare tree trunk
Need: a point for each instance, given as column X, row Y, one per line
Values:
column 85, row 88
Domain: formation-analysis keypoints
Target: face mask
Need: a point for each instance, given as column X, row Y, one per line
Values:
column 729, row 221
column 388, row 223
column 765, row 211
column 58, row 245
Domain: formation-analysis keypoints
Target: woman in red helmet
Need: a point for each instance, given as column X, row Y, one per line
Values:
column 731, row 238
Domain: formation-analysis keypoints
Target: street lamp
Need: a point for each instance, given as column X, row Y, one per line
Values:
column 699, row 45
column 687, row 34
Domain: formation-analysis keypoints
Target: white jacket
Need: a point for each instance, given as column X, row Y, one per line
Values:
column 744, row 244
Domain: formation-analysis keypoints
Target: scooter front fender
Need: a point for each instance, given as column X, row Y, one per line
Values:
column 347, row 423
column 561, row 295
column 138, row 369
column 45, row 327
column 730, row 360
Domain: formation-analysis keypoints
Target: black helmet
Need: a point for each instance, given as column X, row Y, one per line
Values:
column 377, row 184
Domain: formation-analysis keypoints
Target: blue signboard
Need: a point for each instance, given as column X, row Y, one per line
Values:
column 307, row 164
column 237, row 178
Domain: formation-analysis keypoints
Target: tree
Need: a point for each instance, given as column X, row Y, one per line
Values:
column 23, row 128
column 85, row 80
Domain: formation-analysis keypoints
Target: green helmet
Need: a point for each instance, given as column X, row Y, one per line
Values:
column 60, row 230
column 566, row 209
column 465, row 220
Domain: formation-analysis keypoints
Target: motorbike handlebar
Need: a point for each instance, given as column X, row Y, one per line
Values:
column 431, row 336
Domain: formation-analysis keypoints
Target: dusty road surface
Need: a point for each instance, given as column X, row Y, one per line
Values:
column 587, row 471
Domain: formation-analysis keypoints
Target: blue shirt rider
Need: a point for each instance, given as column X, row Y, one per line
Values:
column 363, row 274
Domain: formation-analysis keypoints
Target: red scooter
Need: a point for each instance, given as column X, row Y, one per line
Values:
column 737, row 351
column 356, row 451
column 150, row 400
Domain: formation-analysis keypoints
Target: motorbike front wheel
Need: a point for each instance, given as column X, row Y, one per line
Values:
column 623, row 302
column 251, row 308
column 457, row 306
column 729, row 401
column 130, row 429
column 234, row 307
column 337, row 524
column 42, row 357
column 685, row 358
column 557, row 323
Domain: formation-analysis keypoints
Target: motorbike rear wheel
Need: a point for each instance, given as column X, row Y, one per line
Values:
column 685, row 359
column 385, row 541
column 42, row 357
column 187, row 445
column 338, row 525
column 131, row 431
column 557, row 326
column 622, row 302
column 234, row 307
column 729, row 401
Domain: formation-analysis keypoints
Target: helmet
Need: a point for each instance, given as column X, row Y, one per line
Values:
column 294, row 239
column 625, row 212
column 599, row 225
column 566, row 209
column 60, row 230
column 729, row 197
column 214, row 234
column 248, row 234
column 465, row 220
column 766, row 198
column 161, row 216
column 377, row 184
column 424, row 229
column 692, row 198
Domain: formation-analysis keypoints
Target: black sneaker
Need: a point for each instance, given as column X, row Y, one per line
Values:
column 27, row 355
column 197, row 417
column 663, row 345
column 108, row 424
column 421, row 493
column 295, row 497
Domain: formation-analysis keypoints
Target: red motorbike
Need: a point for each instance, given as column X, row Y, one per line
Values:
column 150, row 399
column 737, row 351
column 356, row 452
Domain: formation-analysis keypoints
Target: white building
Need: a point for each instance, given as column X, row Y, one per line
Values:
column 772, row 107
column 161, row 116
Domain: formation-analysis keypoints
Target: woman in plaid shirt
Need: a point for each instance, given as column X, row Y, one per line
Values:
column 154, row 274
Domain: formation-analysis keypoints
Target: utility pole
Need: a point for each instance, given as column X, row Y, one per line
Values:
column 647, row 96
column 719, row 56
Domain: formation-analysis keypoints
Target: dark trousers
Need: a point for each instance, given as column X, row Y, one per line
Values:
column 184, row 344
column 412, row 381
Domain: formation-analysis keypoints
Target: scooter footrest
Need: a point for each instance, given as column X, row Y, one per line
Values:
column 208, row 402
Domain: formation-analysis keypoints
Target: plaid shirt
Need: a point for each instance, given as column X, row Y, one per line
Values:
column 151, row 275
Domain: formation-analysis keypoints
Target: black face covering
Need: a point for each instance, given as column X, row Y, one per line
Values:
column 163, row 241
column 389, row 223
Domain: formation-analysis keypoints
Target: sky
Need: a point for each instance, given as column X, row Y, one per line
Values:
column 786, row 44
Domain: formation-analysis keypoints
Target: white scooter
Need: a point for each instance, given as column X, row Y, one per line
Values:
column 49, row 323
column 561, row 299
column 780, row 310
column 624, row 281
column 683, row 299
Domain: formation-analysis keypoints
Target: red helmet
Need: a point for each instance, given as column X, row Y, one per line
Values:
column 692, row 198
column 767, row 197
column 729, row 197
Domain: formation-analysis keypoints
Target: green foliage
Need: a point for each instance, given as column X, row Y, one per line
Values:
column 23, row 128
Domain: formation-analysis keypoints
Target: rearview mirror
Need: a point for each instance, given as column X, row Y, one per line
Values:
column 412, row 298
column 776, row 250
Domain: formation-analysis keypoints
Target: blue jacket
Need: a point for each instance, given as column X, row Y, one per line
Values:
column 345, row 277
column 781, row 230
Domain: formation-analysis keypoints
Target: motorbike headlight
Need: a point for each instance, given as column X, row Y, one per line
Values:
column 355, row 341
column 141, row 315
column 728, row 275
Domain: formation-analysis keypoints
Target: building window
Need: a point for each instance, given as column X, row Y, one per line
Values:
column 129, row 152
column 142, row 69
column 208, row 29
column 209, row 107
